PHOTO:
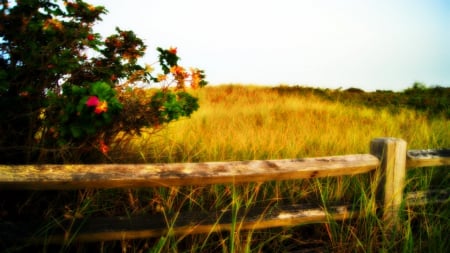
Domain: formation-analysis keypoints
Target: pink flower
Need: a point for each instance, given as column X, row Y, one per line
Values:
column 92, row 101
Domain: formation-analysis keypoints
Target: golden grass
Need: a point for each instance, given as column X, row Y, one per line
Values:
column 250, row 122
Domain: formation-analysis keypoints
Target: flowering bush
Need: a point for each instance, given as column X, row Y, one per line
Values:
column 81, row 111
column 65, row 91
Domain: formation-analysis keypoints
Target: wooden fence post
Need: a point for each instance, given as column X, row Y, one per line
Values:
column 392, row 153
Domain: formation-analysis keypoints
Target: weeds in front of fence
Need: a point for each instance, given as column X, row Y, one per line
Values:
column 423, row 227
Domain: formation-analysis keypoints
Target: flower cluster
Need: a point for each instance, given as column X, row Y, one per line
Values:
column 176, row 74
column 100, row 106
column 149, row 108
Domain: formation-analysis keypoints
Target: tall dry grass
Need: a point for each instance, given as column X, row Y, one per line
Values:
column 245, row 123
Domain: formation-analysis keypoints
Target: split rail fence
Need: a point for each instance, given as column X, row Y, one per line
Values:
column 389, row 156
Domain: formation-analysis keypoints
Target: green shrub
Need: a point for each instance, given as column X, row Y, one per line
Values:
column 65, row 91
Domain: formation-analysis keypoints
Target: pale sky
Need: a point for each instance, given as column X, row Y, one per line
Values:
column 368, row 44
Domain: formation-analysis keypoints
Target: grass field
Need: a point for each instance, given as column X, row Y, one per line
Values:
column 249, row 122
column 245, row 123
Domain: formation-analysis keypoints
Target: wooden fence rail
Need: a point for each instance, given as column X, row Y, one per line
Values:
column 389, row 156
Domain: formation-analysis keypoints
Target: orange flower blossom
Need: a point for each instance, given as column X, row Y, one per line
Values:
column 103, row 147
column 178, row 71
column 195, row 78
column 173, row 50
column 161, row 77
column 101, row 107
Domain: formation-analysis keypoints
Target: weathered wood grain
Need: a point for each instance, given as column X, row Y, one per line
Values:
column 427, row 158
column 64, row 177
column 181, row 224
column 420, row 198
column 392, row 153
column 91, row 229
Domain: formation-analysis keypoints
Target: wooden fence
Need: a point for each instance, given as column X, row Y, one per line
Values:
column 389, row 156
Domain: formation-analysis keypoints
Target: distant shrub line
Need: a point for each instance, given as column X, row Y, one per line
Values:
column 432, row 101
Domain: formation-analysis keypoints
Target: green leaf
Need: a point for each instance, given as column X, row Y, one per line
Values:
column 76, row 131
column 188, row 103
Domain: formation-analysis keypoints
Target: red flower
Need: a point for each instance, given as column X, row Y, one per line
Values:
column 24, row 94
column 103, row 147
column 90, row 37
column 92, row 101
column 173, row 50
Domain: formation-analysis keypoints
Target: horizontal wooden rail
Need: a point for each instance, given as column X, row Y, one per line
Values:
column 64, row 177
column 184, row 223
column 427, row 158
column 91, row 229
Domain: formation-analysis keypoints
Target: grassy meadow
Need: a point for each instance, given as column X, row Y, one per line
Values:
column 250, row 122
column 246, row 123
